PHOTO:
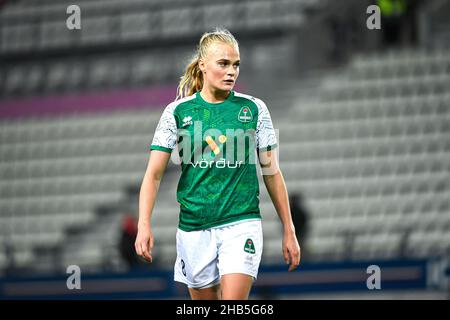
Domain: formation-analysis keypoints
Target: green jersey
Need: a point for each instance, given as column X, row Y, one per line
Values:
column 217, row 145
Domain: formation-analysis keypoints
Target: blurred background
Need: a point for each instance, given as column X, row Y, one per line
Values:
column 364, row 130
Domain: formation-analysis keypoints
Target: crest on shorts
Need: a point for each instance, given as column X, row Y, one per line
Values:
column 245, row 115
column 249, row 246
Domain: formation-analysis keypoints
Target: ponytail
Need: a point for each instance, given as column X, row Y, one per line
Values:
column 191, row 81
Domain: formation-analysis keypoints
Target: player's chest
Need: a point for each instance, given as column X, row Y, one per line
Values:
column 199, row 119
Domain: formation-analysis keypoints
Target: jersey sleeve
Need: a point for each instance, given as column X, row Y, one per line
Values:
column 266, row 138
column 165, row 137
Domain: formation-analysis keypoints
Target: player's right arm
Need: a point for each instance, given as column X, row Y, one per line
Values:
column 156, row 167
column 164, row 141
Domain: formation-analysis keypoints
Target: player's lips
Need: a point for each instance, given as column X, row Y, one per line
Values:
column 229, row 81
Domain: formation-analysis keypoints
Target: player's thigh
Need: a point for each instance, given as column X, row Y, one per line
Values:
column 241, row 249
column 212, row 293
column 196, row 263
column 236, row 286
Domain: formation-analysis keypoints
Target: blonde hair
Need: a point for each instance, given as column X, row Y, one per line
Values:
column 192, row 79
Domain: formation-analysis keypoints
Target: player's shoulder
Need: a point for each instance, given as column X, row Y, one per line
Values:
column 175, row 104
column 257, row 101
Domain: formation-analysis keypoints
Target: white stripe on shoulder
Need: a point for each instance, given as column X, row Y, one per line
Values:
column 243, row 95
column 171, row 106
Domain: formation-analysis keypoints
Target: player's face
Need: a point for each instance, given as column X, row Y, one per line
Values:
column 221, row 67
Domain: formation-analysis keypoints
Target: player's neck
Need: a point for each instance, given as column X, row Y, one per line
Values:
column 214, row 96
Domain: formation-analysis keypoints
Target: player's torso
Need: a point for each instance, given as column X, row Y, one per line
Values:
column 216, row 146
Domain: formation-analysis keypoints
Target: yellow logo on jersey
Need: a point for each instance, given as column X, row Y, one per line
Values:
column 214, row 147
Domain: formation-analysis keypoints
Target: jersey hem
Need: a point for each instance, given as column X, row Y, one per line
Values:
column 220, row 223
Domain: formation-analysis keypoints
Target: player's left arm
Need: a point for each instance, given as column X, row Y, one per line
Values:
column 276, row 187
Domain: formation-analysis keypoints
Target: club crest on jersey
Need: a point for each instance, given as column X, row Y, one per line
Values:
column 187, row 121
column 249, row 246
column 245, row 115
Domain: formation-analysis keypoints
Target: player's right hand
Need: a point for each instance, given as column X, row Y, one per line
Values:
column 144, row 243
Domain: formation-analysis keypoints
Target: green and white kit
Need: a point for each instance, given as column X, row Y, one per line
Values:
column 217, row 144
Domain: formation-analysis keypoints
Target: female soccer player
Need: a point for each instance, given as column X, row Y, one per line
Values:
column 218, row 131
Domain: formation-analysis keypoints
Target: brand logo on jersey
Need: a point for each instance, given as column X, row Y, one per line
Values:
column 198, row 147
column 249, row 246
column 187, row 121
column 245, row 115
column 222, row 163
column 214, row 147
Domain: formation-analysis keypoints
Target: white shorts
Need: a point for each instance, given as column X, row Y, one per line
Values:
column 204, row 256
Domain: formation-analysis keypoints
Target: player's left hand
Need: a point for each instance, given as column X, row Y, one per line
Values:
column 291, row 250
